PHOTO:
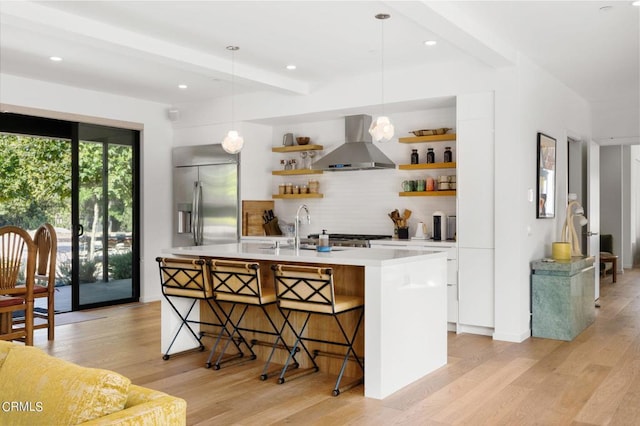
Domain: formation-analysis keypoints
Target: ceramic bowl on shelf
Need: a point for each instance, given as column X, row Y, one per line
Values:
column 431, row 132
column 303, row 140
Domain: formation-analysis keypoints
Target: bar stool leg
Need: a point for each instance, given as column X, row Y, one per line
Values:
column 241, row 339
column 223, row 331
column 185, row 321
column 294, row 349
column 265, row 371
column 350, row 351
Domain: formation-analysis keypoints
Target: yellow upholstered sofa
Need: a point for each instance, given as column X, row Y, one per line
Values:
column 38, row 389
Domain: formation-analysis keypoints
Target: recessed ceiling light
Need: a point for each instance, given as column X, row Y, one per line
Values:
column 182, row 86
column 291, row 67
column 636, row 3
column 55, row 58
column 430, row 43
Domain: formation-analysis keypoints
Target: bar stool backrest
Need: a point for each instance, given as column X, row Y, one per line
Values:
column 305, row 288
column 238, row 282
column 184, row 278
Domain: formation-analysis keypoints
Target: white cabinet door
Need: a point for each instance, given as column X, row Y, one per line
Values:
column 452, row 271
column 452, row 303
column 476, row 276
column 475, row 183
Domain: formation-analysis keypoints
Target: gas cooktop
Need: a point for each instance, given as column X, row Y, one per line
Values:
column 351, row 240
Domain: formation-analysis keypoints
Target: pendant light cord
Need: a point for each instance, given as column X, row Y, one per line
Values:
column 233, row 81
column 382, row 61
column 382, row 17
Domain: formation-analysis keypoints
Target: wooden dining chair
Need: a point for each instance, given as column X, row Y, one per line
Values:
column 45, row 275
column 13, row 297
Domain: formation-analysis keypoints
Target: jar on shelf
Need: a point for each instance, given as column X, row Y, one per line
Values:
column 281, row 189
column 288, row 188
column 414, row 156
column 448, row 156
column 314, row 186
column 431, row 156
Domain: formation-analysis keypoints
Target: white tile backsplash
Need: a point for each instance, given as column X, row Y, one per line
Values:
column 359, row 201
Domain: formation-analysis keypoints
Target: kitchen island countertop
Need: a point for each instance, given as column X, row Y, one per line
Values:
column 338, row 256
column 405, row 291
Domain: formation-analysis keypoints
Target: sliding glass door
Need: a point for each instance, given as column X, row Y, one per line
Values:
column 82, row 179
column 105, row 216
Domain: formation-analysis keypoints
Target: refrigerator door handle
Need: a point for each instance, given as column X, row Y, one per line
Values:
column 200, row 216
column 194, row 209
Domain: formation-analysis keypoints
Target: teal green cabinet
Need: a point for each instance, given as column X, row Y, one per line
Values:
column 562, row 297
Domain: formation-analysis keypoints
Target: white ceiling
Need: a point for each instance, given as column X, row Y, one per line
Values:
column 145, row 49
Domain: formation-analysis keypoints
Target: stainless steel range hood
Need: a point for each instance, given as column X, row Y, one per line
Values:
column 358, row 152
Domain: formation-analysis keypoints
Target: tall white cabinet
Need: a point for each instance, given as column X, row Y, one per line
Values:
column 475, row 212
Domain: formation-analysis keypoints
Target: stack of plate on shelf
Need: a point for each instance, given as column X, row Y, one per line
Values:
column 446, row 183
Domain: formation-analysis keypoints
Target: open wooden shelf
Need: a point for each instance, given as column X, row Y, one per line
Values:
column 432, row 138
column 450, row 193
column 307, row 195
column 297, row 148
column 296, row 172
column 422, row 166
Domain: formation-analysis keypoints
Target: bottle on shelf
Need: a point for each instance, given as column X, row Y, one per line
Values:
column 448, row 156
column 431, row 156
column 414, row 156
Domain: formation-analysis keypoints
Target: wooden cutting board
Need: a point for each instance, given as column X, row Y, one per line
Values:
column 252, row 211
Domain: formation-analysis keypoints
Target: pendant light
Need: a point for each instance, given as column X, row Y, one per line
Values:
column 381, row 128
column 233, row 142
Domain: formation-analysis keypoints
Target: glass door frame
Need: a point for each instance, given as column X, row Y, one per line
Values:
column 78, row 228
column 69, row 130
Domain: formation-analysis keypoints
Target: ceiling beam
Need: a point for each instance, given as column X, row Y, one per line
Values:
column 454, row 25
column 38, row 15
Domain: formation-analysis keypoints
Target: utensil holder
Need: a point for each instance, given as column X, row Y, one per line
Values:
column 403, row 233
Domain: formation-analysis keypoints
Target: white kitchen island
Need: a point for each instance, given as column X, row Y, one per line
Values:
column 405, row 328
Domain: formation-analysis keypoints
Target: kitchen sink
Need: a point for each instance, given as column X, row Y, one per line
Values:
column 302, row 247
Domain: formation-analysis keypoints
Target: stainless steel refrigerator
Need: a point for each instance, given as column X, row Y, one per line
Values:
column 205, row 195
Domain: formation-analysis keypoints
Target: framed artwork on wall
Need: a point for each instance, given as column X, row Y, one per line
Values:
column 546, row 183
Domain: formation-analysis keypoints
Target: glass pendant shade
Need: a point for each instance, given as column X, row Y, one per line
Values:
column 233, row 142
column 381, row 129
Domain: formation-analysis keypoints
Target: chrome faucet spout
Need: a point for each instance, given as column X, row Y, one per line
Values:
column 296, row 239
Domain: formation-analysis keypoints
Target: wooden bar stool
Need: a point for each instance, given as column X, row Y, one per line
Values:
column 311, row 290
column 238, row 284
column 188, row 279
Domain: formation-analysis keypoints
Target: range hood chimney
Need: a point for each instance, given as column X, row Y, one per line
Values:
column 358, row 152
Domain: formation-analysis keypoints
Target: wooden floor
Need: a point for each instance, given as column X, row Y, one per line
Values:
column 593, row 380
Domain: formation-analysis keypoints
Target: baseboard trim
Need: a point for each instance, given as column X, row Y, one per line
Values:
column 512, row 337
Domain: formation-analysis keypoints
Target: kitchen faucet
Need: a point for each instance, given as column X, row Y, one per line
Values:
column 296, row 235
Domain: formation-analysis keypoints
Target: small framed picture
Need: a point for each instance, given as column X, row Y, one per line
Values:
column 546, row 184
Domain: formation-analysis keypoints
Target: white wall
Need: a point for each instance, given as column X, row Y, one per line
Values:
column 617, row 122
column 156, row 141
column 619, row 188
column 531, row 101
column 635, row 204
